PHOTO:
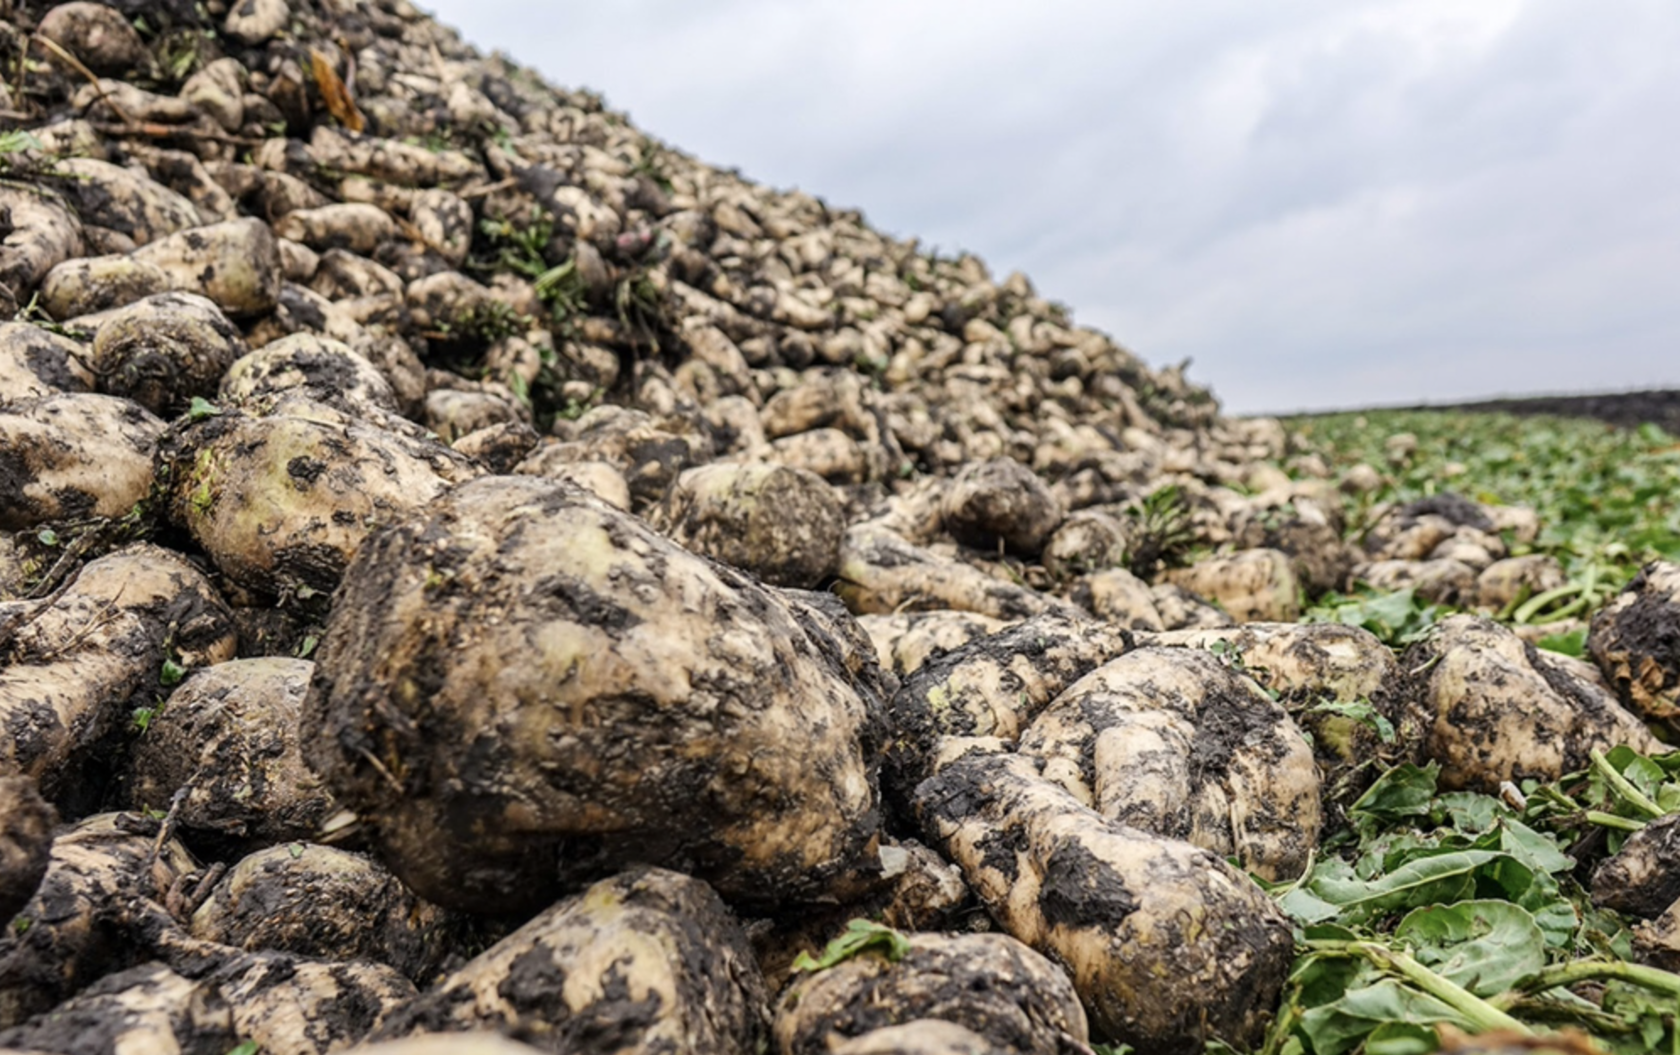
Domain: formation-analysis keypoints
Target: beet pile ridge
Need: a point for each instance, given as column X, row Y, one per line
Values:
column 469, row 571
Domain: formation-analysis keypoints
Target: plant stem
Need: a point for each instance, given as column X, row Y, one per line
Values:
column 1482, row 1015
column 1610, row 820
column 1532, row 608
column 1566, row 974
column 1626, row 790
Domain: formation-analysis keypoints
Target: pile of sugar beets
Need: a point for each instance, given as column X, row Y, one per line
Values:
column 473, row 576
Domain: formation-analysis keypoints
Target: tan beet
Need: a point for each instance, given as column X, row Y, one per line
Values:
column 1175, row 743
column 1179, row 609
column 649, row 961
column 1166, row 944
column 452, row 413
column 67, row 944
column 783, row 525
column 327, row 904
column 217, row 90
column 1643, row 877
column 444, row 222
column 44, row 232
column 1493, row 709
column 1444, row 581
column 35, row 363
column 1118, row 596
column 235, row 264
column 1635, row 640
column 881, row 572
column 992, row 686
column 73, row 455
column 355, row 226
column 224, row 755
column 1001, row 504
column 135, row 209
column 324, row 370
column 1504, row 582
column 1657, row 942
column 142, row 1009
column 1310, row 666
column 648, row 456
column 294, row 1007
column 281, row 502
column 500, row 447
column 164, row 350
column 1251, row 585
column 598, row 478
column 98, row 35
column 828, row 453
column 571, row 650
column 903, row 643
column 989, row 983
column 98, row 283
column 1087, row 541
column 77, row 666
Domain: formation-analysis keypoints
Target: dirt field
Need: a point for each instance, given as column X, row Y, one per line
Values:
column 1627, row 409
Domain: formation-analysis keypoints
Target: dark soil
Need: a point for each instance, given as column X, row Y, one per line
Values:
column 1624, row 409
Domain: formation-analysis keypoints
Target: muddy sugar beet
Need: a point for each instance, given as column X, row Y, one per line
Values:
column 526, row 686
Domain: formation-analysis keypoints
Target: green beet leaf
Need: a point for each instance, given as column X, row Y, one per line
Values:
column 1341, row 1025
column 1430, row 880
column 1485, row 946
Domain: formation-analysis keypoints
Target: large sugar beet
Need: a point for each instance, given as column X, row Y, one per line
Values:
column 1174, row 743
column 992, row 686
column 647, row 962
column 224, row 755
column 72, row 455
column 525, row 686
column 1167, row 945
column 76, row 667
column 63, row 939
column 144, row 1009
column 1636, row 640
column 783, row 525
column 989, row 983
column 1326, row 675
column 1492, row 708
column 34, row 363
column 281, row 501
column 164, row 350
column 324, row 903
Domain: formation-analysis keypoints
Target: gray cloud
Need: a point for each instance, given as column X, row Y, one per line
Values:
column 1323, row 203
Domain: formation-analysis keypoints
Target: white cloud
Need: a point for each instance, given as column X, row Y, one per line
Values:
column 1324, row 203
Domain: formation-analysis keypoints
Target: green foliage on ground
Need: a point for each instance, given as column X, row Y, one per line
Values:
column 1608, row 498
column 1437, row 907
column 1460, row 908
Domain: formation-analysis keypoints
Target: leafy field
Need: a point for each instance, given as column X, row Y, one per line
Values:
column 1437, row 911
column 1608, row 499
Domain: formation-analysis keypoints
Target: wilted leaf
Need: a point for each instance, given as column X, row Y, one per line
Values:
column 334, row 93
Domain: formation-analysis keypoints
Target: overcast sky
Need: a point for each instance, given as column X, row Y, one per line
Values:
column 1324, row 203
